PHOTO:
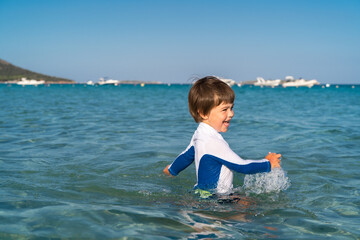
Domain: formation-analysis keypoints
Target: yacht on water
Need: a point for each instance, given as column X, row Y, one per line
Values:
column 104, row 81
column 291, row 82
column 267, row 83
column 28, row 82
column 228, row 81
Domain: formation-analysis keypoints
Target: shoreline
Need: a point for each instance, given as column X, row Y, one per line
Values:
column 170, row 84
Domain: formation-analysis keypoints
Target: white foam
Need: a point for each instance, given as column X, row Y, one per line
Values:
column 274, row 181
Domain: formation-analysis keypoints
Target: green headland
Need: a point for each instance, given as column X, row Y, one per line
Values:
column 10, row 73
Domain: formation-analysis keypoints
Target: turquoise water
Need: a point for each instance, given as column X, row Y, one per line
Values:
column 82, row 162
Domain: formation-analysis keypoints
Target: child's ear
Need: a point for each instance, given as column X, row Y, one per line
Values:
column 204, row 117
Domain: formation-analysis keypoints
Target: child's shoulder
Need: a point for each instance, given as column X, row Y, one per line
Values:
column 208, row 137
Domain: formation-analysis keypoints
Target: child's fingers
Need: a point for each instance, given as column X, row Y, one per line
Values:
column 277, row 155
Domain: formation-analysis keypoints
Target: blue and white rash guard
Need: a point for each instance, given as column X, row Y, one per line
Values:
column 214, row 161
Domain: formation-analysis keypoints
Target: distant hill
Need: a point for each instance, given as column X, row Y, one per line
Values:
column 11, row 73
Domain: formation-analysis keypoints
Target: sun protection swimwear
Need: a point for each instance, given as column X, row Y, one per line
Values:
column 214, row 161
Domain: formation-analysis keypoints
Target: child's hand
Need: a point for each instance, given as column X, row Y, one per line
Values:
column 274, row 159
column 166, row 170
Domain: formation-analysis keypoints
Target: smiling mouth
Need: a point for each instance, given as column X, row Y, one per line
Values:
column 226, row 122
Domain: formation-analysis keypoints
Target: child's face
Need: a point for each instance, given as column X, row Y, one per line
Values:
column 220, row 116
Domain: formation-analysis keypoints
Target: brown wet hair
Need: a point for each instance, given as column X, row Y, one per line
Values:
column 207, row 93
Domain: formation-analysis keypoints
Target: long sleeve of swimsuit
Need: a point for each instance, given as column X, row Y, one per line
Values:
column 183, row 160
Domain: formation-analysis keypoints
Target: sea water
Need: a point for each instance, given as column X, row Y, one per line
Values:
column 85, row 162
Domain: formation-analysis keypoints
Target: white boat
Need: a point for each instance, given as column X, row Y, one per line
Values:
column 228, row 81
column 31, row 82
column 104, row 81
column 267, row 83
column 91, row 83
column 290, row 82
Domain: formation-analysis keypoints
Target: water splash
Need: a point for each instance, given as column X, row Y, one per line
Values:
column 274, row 181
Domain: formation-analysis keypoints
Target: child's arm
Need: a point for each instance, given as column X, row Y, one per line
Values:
column 181, row 162
column 217, row 150
column 274, row 159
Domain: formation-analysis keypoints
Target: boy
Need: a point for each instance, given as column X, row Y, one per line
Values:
column 211, row 103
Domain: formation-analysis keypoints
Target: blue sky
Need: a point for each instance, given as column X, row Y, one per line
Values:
column 174, row 41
